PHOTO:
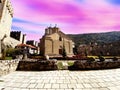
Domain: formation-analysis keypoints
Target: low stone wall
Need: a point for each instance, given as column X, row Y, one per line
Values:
column 35, row 65
column 84, row 65
column 7, row 66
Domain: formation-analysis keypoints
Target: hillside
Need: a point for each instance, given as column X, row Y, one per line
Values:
column 95, row 37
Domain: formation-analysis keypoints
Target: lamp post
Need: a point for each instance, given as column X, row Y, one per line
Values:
column 25, row 53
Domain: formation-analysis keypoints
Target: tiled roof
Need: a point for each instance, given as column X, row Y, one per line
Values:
column 64, row 35
column 26, row 45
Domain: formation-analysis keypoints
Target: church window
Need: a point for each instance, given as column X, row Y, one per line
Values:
column 60, row 38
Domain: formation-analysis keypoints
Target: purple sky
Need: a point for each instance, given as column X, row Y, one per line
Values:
column 72, row 16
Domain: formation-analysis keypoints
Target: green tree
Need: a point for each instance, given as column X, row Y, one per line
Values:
column 64, row 54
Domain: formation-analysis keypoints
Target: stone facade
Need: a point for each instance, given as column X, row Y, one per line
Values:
column 53, row 41
column 7, row 66
column 6, row 15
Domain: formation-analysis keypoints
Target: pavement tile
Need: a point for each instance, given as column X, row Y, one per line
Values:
column 104, row 89
column 62, row 80
column 53, row 81
column 59, row 89
column 113, row 88
column 95, row 85
column 87, row 85
column 79, row 86
column 55, row 86
column 47, row 86
column 71, row 85
column 73, row 81
column 24, row 89
column 31, row 85
column 66, row 81
column 24, row 85
column 39, row 86
column 51, row 89
column 63, row 86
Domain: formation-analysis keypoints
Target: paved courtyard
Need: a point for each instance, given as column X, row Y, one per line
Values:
column 62, row 80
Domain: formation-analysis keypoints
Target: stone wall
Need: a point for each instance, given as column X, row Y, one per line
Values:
column 7, row 66
column 35, row 65
column 84, row 65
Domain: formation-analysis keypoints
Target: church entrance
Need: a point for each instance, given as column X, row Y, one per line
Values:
column 60, row 51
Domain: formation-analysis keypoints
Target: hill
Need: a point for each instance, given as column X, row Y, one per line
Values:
column 99, row 38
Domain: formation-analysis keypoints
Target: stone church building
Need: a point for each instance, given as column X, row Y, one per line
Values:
column 53, row 41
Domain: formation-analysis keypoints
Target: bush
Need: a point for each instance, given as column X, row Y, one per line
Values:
column 101, row 59
column 115, row 59
column 70, row 63
column 60, row 65
column 90, row 59
column 11, row 52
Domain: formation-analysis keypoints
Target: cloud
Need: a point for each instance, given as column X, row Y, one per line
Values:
column 114, row 2
column 17, row 20
column 72, row 16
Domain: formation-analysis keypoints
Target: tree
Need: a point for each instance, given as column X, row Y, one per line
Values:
column 86, row 54
column 64, row 54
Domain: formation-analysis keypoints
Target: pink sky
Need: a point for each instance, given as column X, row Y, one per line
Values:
column 72, row 16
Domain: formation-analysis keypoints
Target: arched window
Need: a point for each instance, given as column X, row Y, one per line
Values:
column 60, row 38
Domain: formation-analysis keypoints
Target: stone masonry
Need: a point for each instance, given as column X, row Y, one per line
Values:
column 53, row 41
column 7, row 66
column 62, row 80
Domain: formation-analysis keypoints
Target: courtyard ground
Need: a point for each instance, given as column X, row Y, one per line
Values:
column 62, row 80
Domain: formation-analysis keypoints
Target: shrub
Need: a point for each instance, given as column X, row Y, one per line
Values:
column 60, row 65
column 11, row 52
column 101, row 59
column 70, row 63
column 90, row 59
column 115, row 59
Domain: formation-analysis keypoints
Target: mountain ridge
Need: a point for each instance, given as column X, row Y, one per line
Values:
column 87, row 38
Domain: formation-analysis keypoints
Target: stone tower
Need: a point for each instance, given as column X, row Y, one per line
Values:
column 6, row 15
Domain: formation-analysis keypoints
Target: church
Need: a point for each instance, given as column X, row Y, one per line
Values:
column 53, row 42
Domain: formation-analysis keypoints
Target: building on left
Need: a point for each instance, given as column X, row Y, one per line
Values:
column 8, row 38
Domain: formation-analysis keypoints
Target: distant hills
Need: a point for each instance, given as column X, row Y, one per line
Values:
column 99, row 38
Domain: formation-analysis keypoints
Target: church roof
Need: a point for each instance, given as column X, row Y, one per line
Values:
column 26, row 45
column 64, row 35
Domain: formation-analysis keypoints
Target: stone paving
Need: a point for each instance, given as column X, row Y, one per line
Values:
column 62, row 80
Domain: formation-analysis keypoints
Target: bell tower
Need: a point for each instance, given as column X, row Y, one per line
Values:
column 50, row 30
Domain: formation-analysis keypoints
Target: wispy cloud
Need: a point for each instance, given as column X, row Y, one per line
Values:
column 73, row 16
column 17, row 20
column 114, row 2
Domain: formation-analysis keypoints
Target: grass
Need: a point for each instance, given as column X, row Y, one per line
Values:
column 104, row 56
column 60, row 65
column 8, row 58
column 70, row 63
column 1, row 81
